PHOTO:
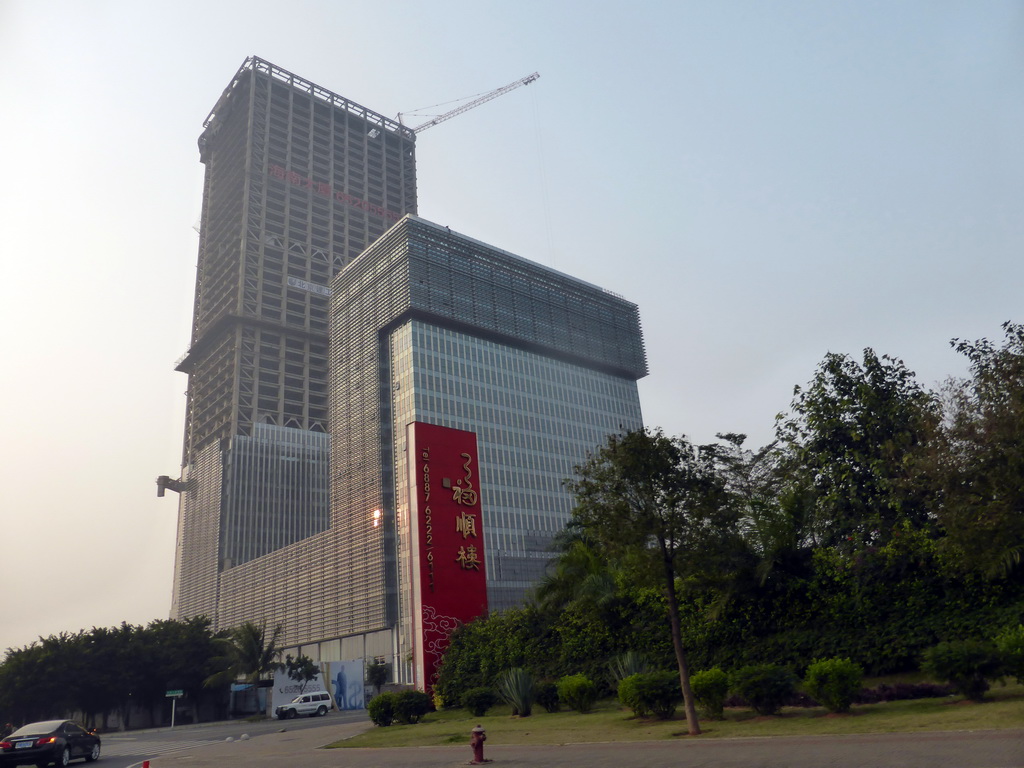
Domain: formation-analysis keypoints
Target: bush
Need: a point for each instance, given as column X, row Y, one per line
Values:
column 629, row 695
column 710, row 687
column 765, row 687
column 410, row 706
column 547, row 696
column 577, row 692
column 479, row 700
column 834, row 683
column 382, row 709
column 1010, row 643
column 966, row 664
column 515, row 686
column 657, row 693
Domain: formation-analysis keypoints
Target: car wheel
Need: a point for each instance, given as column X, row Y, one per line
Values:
column 64, row 758
column 292, row 713
column 321, row 711
column 94, row 755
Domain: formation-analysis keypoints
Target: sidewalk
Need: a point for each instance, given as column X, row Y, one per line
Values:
column 301, row 749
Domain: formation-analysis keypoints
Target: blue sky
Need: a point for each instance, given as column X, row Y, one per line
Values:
column 768, row 181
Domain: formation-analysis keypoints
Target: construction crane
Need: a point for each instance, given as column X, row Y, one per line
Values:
column 474, row 103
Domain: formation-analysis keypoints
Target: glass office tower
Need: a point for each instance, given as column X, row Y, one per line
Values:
column 428, row 325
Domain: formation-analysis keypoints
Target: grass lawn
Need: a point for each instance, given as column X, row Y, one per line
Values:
column 1004, row 708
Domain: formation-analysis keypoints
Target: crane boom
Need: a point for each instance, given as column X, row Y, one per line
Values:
column 475, row 102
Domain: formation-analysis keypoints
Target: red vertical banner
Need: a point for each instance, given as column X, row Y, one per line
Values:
column 449, row 580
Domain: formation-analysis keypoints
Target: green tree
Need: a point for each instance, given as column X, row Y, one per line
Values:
column 774, row 513
column 99, row 671
column 301, row 669
column 980, row 462
column 660, row 503
column 247, row 653
column 854, row 439
column 579, row 573
column 484, row 648
column 377, row 674
column 35, row 679
column 176, row 655
column 100, row 658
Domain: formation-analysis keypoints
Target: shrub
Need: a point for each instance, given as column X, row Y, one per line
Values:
column 1010, row 643
column 479, row 700
column 710, row 687
column 410, row 706
column 834, row 683
column 577, row 692
column 629, row 695
column 628, row 663
column 515, row 686
column 660, row 693
column 547, row 696
column 765, row 687
column 648, row 693
column 966, row 664
column 382, row 709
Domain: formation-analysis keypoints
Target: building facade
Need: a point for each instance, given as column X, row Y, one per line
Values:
column 298, row 182
column 328, row 319
column 434, row 327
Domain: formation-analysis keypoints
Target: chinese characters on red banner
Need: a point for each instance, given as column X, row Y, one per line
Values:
column 465, row 523
column 428, row 521
column 449, row 563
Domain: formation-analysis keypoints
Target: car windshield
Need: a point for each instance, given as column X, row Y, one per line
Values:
column 35, row 729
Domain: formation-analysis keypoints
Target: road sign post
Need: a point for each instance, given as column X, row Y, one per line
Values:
column 174, row 696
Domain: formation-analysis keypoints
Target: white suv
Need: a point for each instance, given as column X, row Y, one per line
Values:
column 305, row 704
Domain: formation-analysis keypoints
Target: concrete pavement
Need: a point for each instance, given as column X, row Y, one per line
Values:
column 301, row 749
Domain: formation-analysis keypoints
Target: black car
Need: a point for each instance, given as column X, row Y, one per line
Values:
column 51, row 742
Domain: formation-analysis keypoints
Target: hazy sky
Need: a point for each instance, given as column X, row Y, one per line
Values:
column 769, row 181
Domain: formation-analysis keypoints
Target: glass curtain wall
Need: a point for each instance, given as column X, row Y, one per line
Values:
column 535, row 418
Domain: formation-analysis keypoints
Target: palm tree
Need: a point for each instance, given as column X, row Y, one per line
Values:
column 246, row 653
column 580, row 572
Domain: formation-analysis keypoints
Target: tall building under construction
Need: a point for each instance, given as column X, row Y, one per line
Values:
column 330, row 322
column 298, row 182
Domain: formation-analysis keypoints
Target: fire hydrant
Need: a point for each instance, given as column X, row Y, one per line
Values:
column 476, row 742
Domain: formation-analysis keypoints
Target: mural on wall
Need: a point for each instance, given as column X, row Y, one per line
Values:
column 342, row 679
column 347, row 685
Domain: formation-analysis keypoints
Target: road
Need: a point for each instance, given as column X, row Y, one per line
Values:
column 296, row 744
column 123, row 750
column 963, row 749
